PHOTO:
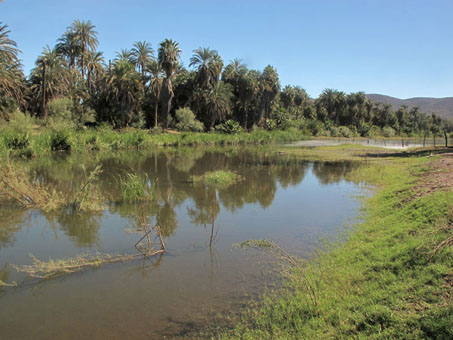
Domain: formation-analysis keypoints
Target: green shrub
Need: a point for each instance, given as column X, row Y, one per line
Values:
column 271, row 124
column 186, row 120
column 20, row 122
column 60, row 114
column 344, row 131
column 16, row 140
column 388, row 132
column 59, row 140
column 230, row 126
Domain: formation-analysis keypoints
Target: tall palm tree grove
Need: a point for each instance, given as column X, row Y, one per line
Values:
column 168, row 57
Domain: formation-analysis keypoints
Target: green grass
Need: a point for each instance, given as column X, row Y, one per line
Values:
column 219, row 179
column 46, row 141
column 133, row 190
column 384, row 282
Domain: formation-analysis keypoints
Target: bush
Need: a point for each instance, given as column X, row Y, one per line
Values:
column 20, row 122
column 341, row 131
column 230, row 126
column 271, row 124
column 16, row 140
column 186, row 120
column 59, row 140
column 388, row 132
column 16, row 132
column 60, row 115
column 344, row 131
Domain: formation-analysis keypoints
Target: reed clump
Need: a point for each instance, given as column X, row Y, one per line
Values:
column 133, row 190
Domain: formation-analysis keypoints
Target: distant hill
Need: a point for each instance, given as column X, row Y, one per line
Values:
column 441, row 106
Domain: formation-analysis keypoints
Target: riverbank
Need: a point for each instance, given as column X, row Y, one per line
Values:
column 44, row 141
column 392, row 278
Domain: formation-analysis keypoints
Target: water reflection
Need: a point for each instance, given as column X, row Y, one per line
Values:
column 167, row 172
column 199, row 223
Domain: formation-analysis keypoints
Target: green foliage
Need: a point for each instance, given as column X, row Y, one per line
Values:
column 229, row 127
column 59, row 140
column 186, row 120
column 15, row 140
column 388, row 132
column 133, row 190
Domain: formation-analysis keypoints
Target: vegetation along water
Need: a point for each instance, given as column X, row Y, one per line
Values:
column 143, row 199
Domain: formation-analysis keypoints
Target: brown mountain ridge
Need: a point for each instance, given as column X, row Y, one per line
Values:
column 440, row 106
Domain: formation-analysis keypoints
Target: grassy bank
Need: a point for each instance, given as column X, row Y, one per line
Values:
column 391, row 279
column 32, row 143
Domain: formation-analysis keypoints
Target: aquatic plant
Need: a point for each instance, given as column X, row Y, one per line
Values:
column 52, row 268
column 133, row 190
column 15, row 184
column 220, row 178
column 88, row 197
column 6, row 284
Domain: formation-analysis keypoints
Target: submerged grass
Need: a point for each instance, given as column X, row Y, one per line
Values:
column 6, row 284
column 220, row 178
column 17, row 185
column 53, row 268
column 389, row 280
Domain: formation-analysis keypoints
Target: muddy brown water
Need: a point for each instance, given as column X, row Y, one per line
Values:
column 295, row 203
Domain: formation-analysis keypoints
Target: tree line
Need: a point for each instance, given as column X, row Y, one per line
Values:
column 145, row 88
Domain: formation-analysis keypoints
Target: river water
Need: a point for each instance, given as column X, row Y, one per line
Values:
column 201, row 277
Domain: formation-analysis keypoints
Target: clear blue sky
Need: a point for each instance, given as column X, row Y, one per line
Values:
column 402, row 48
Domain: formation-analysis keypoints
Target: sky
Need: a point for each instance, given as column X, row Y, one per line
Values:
column 398, row 48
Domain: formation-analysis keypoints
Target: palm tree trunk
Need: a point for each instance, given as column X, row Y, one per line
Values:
column 166, row 98
column 43, row 104
column 156, row 105
column 246, row 116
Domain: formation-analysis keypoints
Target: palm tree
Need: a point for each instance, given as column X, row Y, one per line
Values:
column 50, row 78
column 8, row 47
column 215, row 69
column 218, row 103
column 250, row 87
column 123, row 55
column 270, row 87
column 201, row 59
column 155, row 85
column 141, row 55
column 95, row 66
column 69, row 47
column 287, row 96
column 233, row 70
column 168, row 57
column 124, row 88
column 12, row 82
column 333, row 101
column 11, row 75
column 86, row 38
